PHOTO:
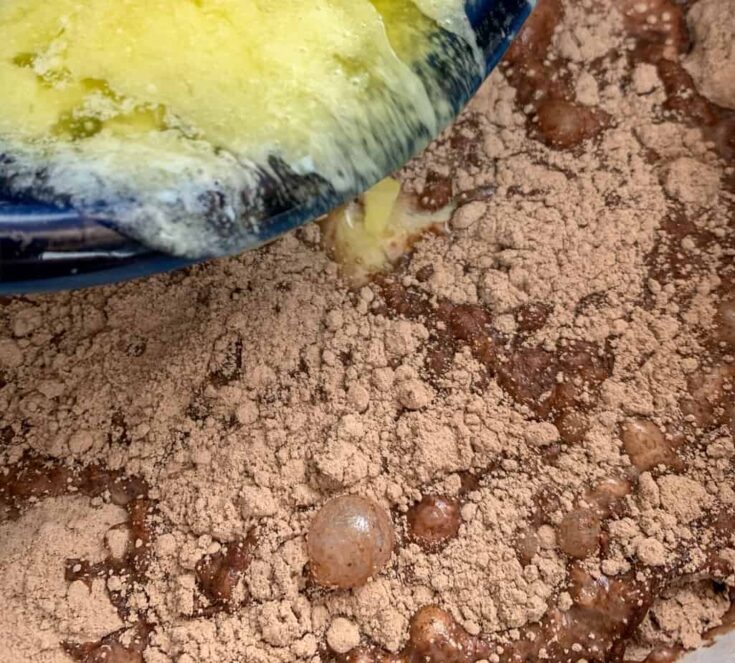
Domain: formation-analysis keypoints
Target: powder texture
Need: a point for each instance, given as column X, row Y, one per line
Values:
column 712, row 60
column 40, row 609
column 557, row 363
column 684, row 613
column 343, row 635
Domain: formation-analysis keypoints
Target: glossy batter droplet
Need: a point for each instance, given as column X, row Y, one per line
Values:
column 350, row 540
column 434, row 521
column 646, row 444
column 579, row 533
column 725, row 321
column 435, row 636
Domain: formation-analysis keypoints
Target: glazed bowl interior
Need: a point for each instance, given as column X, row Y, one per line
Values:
column 46, row 248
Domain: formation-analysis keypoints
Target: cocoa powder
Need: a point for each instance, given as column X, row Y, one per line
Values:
column 556, row 368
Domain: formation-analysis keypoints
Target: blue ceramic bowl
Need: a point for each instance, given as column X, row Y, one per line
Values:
column 44, row 248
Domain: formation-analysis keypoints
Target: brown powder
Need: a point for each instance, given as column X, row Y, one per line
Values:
column 682, row 614
column 712, row 60
column 533, row 364
column 40, row 609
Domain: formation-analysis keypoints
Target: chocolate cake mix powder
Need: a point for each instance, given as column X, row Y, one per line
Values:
column 540, row 397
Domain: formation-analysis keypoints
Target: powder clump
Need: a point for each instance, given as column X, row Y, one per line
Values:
column 712, row 60
column 39, row 608
column 555, row 366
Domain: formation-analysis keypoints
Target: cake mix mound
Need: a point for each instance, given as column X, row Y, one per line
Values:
column 516, row 445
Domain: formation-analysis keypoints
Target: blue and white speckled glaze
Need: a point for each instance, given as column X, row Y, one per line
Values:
column 45, row 248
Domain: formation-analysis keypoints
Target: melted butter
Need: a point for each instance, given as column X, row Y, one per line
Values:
column 158, row 111
column 369, row 235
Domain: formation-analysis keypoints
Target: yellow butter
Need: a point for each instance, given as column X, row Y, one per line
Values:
column 369, row 235
column 135, row 97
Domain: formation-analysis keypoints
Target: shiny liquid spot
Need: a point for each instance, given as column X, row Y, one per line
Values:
column 350, row 540
column 434, row 521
